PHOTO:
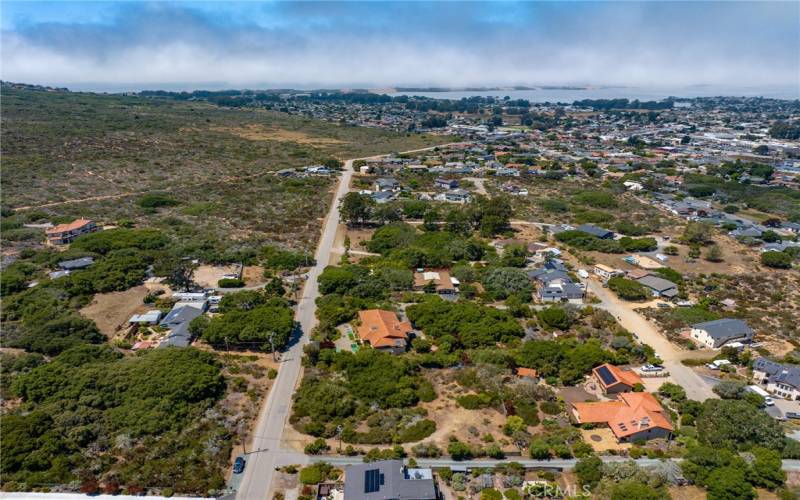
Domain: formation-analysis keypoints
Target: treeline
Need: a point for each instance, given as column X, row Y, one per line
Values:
column 487, row 216
column 785, row 130
column 609, row 104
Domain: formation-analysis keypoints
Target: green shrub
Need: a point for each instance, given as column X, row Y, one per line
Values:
column 417, row 431
column 474, row 401
column 628, row 289
column 310, row 475
column 778, row 260
column 316, row 447
column 550, row 407
column 230, row 283
column 157, row 200
column 459, row 451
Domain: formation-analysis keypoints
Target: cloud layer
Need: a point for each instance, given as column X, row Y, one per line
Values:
column 409, row 44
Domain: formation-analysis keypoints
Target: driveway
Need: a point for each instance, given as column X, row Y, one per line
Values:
column 696, row 387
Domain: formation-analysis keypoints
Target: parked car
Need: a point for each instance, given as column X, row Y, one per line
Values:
column 583, row 273
column 717, row 364
column 652, row 368
column 663, row 305
column 238, row 465
column 768, row 401
column 793, row 415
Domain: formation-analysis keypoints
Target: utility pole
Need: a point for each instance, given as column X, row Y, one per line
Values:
column 272, row 345
column 243, row 432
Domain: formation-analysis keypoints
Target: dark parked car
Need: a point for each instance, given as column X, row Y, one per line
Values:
column 792, row 415
column 238, row 465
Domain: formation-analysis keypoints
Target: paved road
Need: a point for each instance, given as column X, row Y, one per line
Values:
column 261, row 463
column 269, row 429
column 696, row 388
column 563, row 464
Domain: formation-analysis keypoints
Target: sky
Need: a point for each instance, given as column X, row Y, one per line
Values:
column 190, row 45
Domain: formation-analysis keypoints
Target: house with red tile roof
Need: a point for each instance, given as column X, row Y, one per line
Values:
column 527, row 373
column 63, row 234
column 613, row 379
column 383, row 330
column 634, row 416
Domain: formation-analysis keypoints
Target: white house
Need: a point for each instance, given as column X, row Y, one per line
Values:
column 716, row 334
column 782, row 380
column 605, row 271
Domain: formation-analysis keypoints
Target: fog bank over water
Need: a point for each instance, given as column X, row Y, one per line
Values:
column 152, row 45
column 641, row 93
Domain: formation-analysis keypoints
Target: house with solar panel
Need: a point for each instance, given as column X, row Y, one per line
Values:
column 614, row 380
column 389, row 480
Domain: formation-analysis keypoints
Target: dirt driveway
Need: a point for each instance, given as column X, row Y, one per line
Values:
column 696, row 388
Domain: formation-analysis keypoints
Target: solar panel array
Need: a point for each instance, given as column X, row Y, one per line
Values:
column 606, row 376
column 373, row 480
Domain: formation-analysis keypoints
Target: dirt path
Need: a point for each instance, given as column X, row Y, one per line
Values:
column 480, row 186
column 696, row 388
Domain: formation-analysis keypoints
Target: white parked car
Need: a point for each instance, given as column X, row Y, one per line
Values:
column 652, row 368
column 583, row 273
column 716, row 365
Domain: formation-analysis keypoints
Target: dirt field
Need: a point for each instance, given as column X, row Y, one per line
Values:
column 110, row 310
column 253, row 275
column 255, row 132
column 208, row 276
column 468, row 426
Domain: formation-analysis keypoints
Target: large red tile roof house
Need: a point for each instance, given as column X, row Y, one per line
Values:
column 383, row 330
column 635, row 415
column 63, row 234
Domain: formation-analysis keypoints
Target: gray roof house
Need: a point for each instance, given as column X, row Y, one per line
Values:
column 382, row 197
column 446, row 183
column 659, row 286
column 547, row 276
column 388, row 480
column 717, row 333
column 603, row 234
column 177, row 320
column 780, row 379
column 387, row 184
column 746, row 232
column 561, row 292
column 457, row 196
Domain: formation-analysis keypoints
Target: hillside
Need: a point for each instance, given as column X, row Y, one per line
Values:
column 213, row 163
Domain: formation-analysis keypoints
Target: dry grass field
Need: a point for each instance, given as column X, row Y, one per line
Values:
column 69, row 154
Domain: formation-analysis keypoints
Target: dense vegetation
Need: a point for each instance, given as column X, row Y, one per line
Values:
column 250, row 320
column 392, row 384
column 463, row 324
column 140, row 422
